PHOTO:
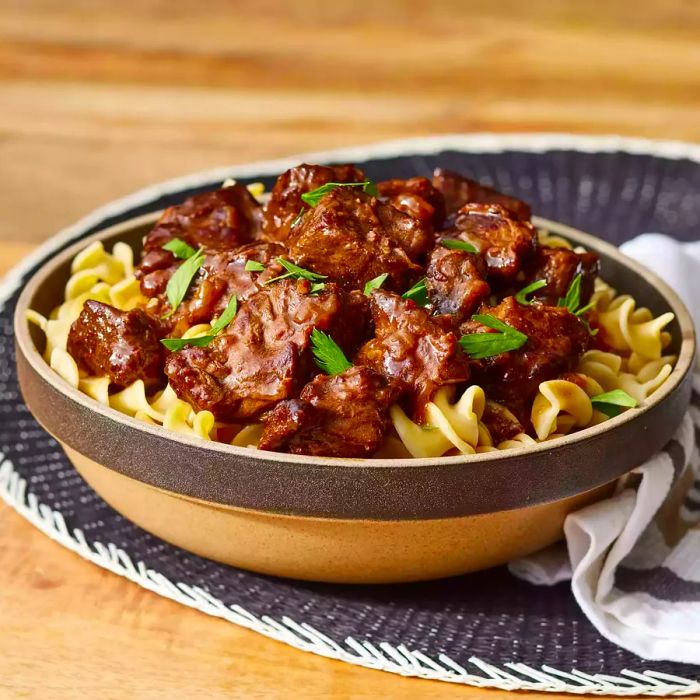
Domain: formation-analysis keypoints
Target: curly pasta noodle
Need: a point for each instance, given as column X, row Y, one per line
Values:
column 109, row 278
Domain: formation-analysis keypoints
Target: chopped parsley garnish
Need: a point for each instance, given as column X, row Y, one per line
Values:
column 375, row 283
column 314, row 197
column 296, row 272
column 457, row 244
column 180, row 282
column 521, row 296
column 180, row 249
column 418, row 293
column 174, row 344
column 253, row 266
column 572, row 301
column 481, row 345
column 612, row 402
column 327, row 353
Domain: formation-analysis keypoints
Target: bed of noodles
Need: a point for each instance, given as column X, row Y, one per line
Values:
column 638, row 366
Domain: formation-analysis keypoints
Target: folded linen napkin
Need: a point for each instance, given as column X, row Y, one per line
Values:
column 634, row 559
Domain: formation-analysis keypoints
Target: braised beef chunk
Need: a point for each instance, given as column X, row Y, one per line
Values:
column 122, row 345
column 221, row 220
column 263, row 356
column 558, row 267
column 221, row 276
column 352, row 238
column 501, row 423
column 285, row 200
column 345, row 415
column 459, row 190
column 416, row 197
column 416, row 350
column 556, row 341
column 506, row 244
column 455, row 282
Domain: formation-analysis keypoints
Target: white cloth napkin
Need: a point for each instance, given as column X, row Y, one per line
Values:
column 634, row 559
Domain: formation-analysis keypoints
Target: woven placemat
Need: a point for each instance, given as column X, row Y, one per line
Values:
column 486, row 629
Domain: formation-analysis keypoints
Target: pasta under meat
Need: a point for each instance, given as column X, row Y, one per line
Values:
column 452, row 413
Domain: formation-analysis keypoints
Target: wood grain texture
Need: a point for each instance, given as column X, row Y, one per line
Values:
column 99, row 98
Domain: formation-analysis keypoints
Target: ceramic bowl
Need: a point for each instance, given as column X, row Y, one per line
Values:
column 347, row 520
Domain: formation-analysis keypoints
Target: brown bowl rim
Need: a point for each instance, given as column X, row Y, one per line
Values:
column 29, row 354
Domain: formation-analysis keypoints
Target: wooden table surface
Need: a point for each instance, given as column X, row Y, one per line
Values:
column 100, row 98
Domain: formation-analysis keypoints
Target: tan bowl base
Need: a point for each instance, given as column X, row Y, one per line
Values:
column 336, row 551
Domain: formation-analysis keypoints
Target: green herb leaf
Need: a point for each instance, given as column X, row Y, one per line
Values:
column 317, row 287
column 612, row 402
column 418, row 293
column 179, row 249
column 314, row 197
column 253, row 266
column 327, row 353
column 572, row 300
column 481, row 345
column 375, row 283
column 229, row 313
column 175, row 344
column 296, row 272
column 227, row 316
column 180, row 282
column 521, row 296
column 297, row 218
column 457, row 244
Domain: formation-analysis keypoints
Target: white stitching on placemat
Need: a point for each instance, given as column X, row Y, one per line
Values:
column 385, row 657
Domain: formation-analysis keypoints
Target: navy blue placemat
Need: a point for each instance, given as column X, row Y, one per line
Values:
column 487, row 628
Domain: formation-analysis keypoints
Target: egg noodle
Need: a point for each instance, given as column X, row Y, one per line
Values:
column 454, row 423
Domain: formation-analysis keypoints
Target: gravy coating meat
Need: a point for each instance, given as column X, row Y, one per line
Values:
column 285, row 200
column 122, row 345
column 500, row 422
column 222, row 275
column 416, row 197
column 352, row 238
column 419, row 352
column 345, row 415
column 558, row 267
column 459, row 190
column 455, row 280
column 507, row 245
column 264, row 355
column 556, row 341
column 216, row 221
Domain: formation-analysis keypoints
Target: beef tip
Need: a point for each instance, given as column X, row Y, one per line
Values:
column 122, row 345
column 264, row 355
column 416, row 350
column 459, row 190
column 223, row 275
column 506, row 244
column 285, row 200
column 217, row 221
column 558, row 267
column 416, row 197
column 556, row 341
column 455, row 282
column 345, row 415
column 352, row 238
column 501, row 423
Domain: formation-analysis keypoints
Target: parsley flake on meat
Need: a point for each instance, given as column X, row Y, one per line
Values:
column 481, row 345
